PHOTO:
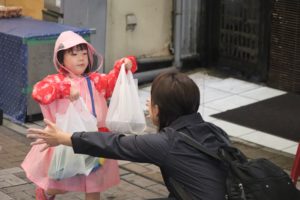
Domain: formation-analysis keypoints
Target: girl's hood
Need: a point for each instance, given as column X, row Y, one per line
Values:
column 70, row 39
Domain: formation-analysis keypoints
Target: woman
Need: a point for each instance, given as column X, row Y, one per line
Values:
column 187, row 173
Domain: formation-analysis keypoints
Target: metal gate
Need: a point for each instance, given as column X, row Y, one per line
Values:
column 242, row 36
column 285, row 46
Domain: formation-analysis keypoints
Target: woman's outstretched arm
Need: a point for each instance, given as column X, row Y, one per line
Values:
column 51, row 136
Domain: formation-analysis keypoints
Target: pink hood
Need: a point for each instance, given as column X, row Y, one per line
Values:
column 70, row 39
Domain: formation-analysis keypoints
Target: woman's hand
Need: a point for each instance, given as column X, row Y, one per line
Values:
column 51, row 136
column 127, row 62
column 148, row 104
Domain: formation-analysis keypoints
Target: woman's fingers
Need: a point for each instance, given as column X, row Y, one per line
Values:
column 38, row 141
column 49, row 123
column 50, row 127
column 45, row 136
column 36, row 131
column 45, row 147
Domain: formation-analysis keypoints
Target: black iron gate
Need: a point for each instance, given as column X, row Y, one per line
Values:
column 240, row 36
column 284, row 70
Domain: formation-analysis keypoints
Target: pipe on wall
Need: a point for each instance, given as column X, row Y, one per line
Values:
column 155, row 59
column 148, row 76
column 177, row 33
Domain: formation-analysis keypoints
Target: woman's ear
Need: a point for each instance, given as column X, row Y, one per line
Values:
column 155, row 114
column 155, row 110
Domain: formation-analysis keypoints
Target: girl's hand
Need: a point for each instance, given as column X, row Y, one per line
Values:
column 51, row 136
column 127, row 62
column 74, row 93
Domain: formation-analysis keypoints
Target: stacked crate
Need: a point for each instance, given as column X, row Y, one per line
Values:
column 11, row 11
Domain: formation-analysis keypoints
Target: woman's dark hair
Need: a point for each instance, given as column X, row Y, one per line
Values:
column 60, row 54
column 176, row 95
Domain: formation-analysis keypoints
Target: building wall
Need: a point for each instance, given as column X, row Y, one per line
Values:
column 32, row 8
column 152, row 35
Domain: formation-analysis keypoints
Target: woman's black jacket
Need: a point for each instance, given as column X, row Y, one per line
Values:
column 201, row 176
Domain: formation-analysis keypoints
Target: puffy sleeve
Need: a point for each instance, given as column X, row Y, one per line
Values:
column 105, row 83
column 51, row 88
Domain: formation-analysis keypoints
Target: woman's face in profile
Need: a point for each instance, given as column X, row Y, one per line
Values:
column 153, row 112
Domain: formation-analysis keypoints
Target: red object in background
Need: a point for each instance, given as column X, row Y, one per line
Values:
column 295, row 172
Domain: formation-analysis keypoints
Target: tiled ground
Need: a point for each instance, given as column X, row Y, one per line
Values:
column 221, row 94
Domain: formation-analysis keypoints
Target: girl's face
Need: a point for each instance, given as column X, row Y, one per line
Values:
column 76, row 60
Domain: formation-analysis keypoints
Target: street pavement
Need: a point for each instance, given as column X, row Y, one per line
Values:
column 138, row 180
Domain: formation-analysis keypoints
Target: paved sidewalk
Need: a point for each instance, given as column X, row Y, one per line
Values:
column 138, row 180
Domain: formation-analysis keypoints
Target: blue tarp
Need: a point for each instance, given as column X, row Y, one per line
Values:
column 27, row 28
column 14, row 36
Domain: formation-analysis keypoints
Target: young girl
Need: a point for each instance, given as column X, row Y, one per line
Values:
column 173, row 106
column 74, row 59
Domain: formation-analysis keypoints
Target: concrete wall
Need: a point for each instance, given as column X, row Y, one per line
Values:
column 151, row 36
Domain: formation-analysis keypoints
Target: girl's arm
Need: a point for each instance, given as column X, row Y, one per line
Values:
column 105, row 83
column 51, row 88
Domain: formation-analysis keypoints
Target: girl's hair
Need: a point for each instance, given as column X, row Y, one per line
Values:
column 176, row 95
column 79, row 47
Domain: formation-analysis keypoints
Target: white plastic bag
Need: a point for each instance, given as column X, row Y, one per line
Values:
column 124, row 113
column 65, row 163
